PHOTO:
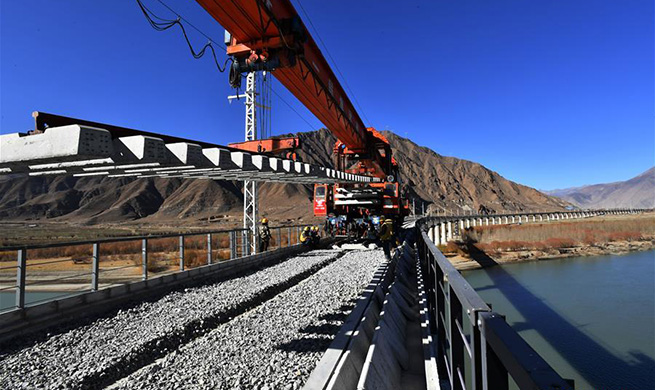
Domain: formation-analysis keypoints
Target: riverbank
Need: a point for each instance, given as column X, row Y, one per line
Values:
column 464, row 260
column 486, row 246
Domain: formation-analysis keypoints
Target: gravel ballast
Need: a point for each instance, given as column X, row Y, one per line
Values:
column 112, row 347
column 274, row 346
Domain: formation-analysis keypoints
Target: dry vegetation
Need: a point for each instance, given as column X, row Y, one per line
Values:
column 126, row 256
column 544, row 236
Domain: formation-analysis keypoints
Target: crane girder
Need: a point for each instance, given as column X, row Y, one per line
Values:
column 270, row 33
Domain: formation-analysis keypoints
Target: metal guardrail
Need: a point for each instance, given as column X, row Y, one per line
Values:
column 238, row 247
column 474, row 345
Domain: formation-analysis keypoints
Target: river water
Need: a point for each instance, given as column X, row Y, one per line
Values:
column 591, row 318
column 8, row 299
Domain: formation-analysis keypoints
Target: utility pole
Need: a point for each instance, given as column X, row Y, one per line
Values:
column 250, row 196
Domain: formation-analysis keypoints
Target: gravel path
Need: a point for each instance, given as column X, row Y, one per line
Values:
column 274, row 346
column 113, row 347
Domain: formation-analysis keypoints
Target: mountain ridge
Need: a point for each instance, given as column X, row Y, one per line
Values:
column 637, row 192
column 437, row 182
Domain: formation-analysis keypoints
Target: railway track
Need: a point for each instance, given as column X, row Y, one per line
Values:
column 271, row 324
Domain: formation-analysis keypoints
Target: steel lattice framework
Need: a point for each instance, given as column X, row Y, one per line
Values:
column 250, row 206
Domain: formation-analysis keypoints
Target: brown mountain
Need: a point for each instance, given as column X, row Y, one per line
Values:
column 441, row 183
column 638, row 192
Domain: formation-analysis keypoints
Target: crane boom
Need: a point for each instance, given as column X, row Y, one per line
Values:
column 267, row 35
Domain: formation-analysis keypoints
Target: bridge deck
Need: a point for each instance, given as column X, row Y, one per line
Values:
column 267, row 327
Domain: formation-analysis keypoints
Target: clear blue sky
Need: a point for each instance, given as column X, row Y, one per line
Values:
column 549, row 93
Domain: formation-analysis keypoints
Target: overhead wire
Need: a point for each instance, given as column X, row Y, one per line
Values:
column 222, row 46
column 336, row 67
column 166, row 24
column 293, row 109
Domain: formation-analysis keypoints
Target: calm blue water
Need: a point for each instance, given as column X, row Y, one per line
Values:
column 8, row 299
column 591, row 318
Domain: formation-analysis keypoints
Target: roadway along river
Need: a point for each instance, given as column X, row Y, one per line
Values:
column 591, row 318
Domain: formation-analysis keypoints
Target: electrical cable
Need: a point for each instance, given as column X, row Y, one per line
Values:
column 166, row 24
column 192, row 25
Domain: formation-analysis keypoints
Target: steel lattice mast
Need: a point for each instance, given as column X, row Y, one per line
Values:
column 250, row 207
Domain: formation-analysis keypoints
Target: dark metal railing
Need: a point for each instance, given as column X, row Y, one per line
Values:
column 474, row 345
column 171, row 257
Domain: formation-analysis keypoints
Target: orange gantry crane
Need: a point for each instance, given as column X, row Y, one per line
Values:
column 269, row 35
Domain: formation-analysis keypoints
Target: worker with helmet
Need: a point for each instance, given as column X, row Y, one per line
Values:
column 264, row 234
column 306, row 236
column 315, row 235
column 386, row 236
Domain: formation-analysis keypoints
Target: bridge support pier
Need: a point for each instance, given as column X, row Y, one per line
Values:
column 443, row 236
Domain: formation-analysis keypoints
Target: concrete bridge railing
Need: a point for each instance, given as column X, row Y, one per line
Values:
column 442, row 229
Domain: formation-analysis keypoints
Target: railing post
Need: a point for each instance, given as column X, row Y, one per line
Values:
column 144, row 259
column 181, row 245
column 456, row 342
column 440, row 308
column 246, row 243
column 494, row 374
column 209, row 248
column 21, row 270
column 233, row 245
column 95, row 271
column 476, row 351
column 289, row 236
column 279, row 238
